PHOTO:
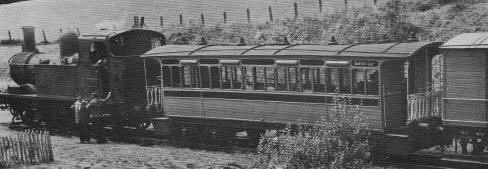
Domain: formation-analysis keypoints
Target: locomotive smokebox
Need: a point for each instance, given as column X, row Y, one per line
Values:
column 68, row 44
column 29, row 39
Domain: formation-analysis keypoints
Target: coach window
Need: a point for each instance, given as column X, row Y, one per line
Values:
column 338, row 80
column 225, row 77
column 190, row 76
column 215, row 76
column 318, row 80
column 372, row 82
column 294, row 83
column 237, row 78
column 358, row 81
column 231, row 77
column 166, row 76
column 270, row 78
column 259, row 75
column 248, row 78
column 175, row 76
column 288, row 79
column 306, row 79
column 206, row 73
column 195, row 76
column 282, row 78
column 186, row 76
column 254, row 77
column 205, row 76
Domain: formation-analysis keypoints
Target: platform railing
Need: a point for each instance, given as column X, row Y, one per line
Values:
column 422, row 105
column 154, row 96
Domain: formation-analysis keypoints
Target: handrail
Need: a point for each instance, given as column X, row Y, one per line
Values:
column 154, row 96
column 422, row 105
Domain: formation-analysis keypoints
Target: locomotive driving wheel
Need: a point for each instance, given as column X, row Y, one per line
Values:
column 24, row 115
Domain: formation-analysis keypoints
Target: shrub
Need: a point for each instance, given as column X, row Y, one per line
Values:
column 339, row 140
column 425, row 5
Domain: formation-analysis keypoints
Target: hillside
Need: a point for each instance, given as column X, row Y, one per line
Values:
column 433, row 20
column 359, row 21
column 445, row 21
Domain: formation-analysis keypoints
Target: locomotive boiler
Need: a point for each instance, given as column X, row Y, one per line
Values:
column 101, row 63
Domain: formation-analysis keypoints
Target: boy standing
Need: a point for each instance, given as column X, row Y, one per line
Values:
column 82, row 117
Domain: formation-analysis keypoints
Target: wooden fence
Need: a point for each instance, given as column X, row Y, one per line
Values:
column 27, row 147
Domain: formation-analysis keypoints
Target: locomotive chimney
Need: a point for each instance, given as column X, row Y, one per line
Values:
column 136, row 22
column 29, row 39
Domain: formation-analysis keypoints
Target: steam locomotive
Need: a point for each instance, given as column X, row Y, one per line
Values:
column 101, row 63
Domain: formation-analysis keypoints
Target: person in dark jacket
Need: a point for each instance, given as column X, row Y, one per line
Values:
column 82, row 118
column 97, row 116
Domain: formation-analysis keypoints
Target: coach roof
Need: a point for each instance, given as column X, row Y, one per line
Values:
column 387, row 50
column 467, row 40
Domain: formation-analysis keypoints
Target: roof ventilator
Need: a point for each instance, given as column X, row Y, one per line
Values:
column 333, row 41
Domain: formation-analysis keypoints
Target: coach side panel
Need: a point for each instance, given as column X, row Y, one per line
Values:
column 465, row 73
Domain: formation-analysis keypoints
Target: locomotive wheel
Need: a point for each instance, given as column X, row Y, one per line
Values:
column 16, row 114
column 23, row 115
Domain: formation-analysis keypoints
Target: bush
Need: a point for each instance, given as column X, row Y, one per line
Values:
column 425, row 5
column 339, row 140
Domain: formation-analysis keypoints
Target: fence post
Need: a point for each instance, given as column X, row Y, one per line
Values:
column 181, row 19
column 9, row 36
column 203, row 19
column 44, row 35
column 161, row 22
column 248, row 16
column 225, row 17
column 37, row 147
column 15, row 149
column 51, row 156
column 32, row 158
column 295, row 7
column 21, row 149
column 42, row 149
column 270, row 14
column 320, row 5
column 2, row 153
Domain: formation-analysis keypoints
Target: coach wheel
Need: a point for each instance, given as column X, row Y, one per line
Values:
column 175, row 130
column 143, row 124
column 255, row 135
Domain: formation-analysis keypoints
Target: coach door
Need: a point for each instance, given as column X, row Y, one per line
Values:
column 393, row 92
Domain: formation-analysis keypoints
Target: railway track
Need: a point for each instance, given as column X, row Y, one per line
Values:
column 245, row 145
column 429, row 161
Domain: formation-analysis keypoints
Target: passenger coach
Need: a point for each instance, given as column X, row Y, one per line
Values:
column 252, row 88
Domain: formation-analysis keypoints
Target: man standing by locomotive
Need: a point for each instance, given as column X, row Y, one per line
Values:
column 82, row 118
column 96, row 116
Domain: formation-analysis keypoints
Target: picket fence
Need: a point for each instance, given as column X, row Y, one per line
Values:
column 26, row 147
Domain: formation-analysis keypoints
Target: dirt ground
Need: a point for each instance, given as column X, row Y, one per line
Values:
column 69, row 153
